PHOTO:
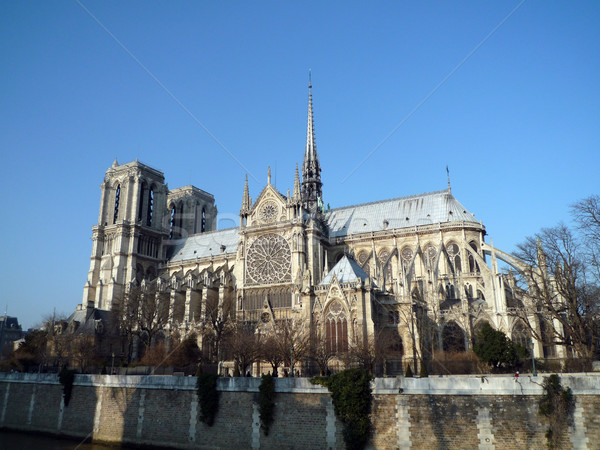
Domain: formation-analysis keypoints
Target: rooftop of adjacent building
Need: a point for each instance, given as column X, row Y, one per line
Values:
column 9, row 322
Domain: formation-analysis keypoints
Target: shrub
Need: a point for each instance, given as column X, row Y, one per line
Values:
column 456, row 363
column 557, row 405
column 266, row 403
column 208, row 397
column 493, row 347
column 351, row 396
column 67, row 378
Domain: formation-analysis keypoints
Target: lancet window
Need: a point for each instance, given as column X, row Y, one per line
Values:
column 150, row 209
column 336, row 328
column 117, row 199
column 141, row 202
column 454, row 257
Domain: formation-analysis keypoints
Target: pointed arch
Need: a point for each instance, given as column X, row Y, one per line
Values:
column 453, row 338
column 336, row 327
column 520, row 334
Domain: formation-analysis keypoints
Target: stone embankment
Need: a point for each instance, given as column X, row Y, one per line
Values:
column 426, row 413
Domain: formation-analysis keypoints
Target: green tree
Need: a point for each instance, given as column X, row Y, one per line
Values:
column 33, row 351
column 493, row 347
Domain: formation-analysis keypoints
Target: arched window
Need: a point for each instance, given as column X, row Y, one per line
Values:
column 150, row 209
column 117, row 198
column 384, row 261
column 469, row 291
column 139, row 273
column 473, row 266
column 429, row 255
column 143, row 190
column 203, row 222
column 520, row 335
column 547, row 331
column 336, row 328
column 453, row 338
column 454, row 257
column 406, row 255
column 172, row 222
column 179, row 219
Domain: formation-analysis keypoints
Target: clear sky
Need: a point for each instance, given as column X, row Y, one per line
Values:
column 505, row 93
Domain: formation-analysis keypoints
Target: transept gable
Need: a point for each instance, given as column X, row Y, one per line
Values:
column 336, row 293
column 269, row 207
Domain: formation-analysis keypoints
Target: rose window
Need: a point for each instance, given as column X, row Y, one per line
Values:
column 384, row 256
column 452, row 250
column 269, row 260
column 407, row 255
column 362, row 257
column 335, row 308
column 268, row 212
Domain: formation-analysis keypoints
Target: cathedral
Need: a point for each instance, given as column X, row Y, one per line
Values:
column 415, row 269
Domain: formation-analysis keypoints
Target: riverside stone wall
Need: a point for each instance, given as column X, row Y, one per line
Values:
column 428, row 413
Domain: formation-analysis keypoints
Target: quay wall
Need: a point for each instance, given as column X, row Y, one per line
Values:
column 426, row 413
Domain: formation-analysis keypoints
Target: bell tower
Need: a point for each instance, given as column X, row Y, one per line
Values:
column 127, row 242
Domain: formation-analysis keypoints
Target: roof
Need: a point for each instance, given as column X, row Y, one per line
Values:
column 205, row 244
column 86, row 319
column 403, row 212
column 346, row 271
column 10, row 322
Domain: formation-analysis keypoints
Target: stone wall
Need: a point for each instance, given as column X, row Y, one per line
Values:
column 453, row 412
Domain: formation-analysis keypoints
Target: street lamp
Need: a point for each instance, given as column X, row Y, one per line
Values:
column 533, row 359
column 112, row 366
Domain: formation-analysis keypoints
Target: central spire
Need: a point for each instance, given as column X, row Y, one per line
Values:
column 311, row 169
column 311, row 146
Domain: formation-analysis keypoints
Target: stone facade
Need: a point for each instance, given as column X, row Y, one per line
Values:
column 414, row 269
column 428, row 413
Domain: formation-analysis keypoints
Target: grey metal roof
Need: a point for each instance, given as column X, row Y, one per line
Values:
column 201, row 245
column 403, row 212
column 346, row 271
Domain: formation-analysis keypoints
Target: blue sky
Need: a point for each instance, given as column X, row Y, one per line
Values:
column 517, row 122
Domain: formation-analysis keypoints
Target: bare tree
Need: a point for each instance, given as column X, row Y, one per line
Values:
column 375, row 349
column 587, row 217
column 143, row 311
column 243, row 346
column 270, row 352
column 293, row 341
column 320, row 353
column 562, row 296
column 217, row 325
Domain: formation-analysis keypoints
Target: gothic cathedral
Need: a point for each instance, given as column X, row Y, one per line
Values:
column 411, row 271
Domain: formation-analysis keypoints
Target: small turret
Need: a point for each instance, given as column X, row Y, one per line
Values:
column 246, row 203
